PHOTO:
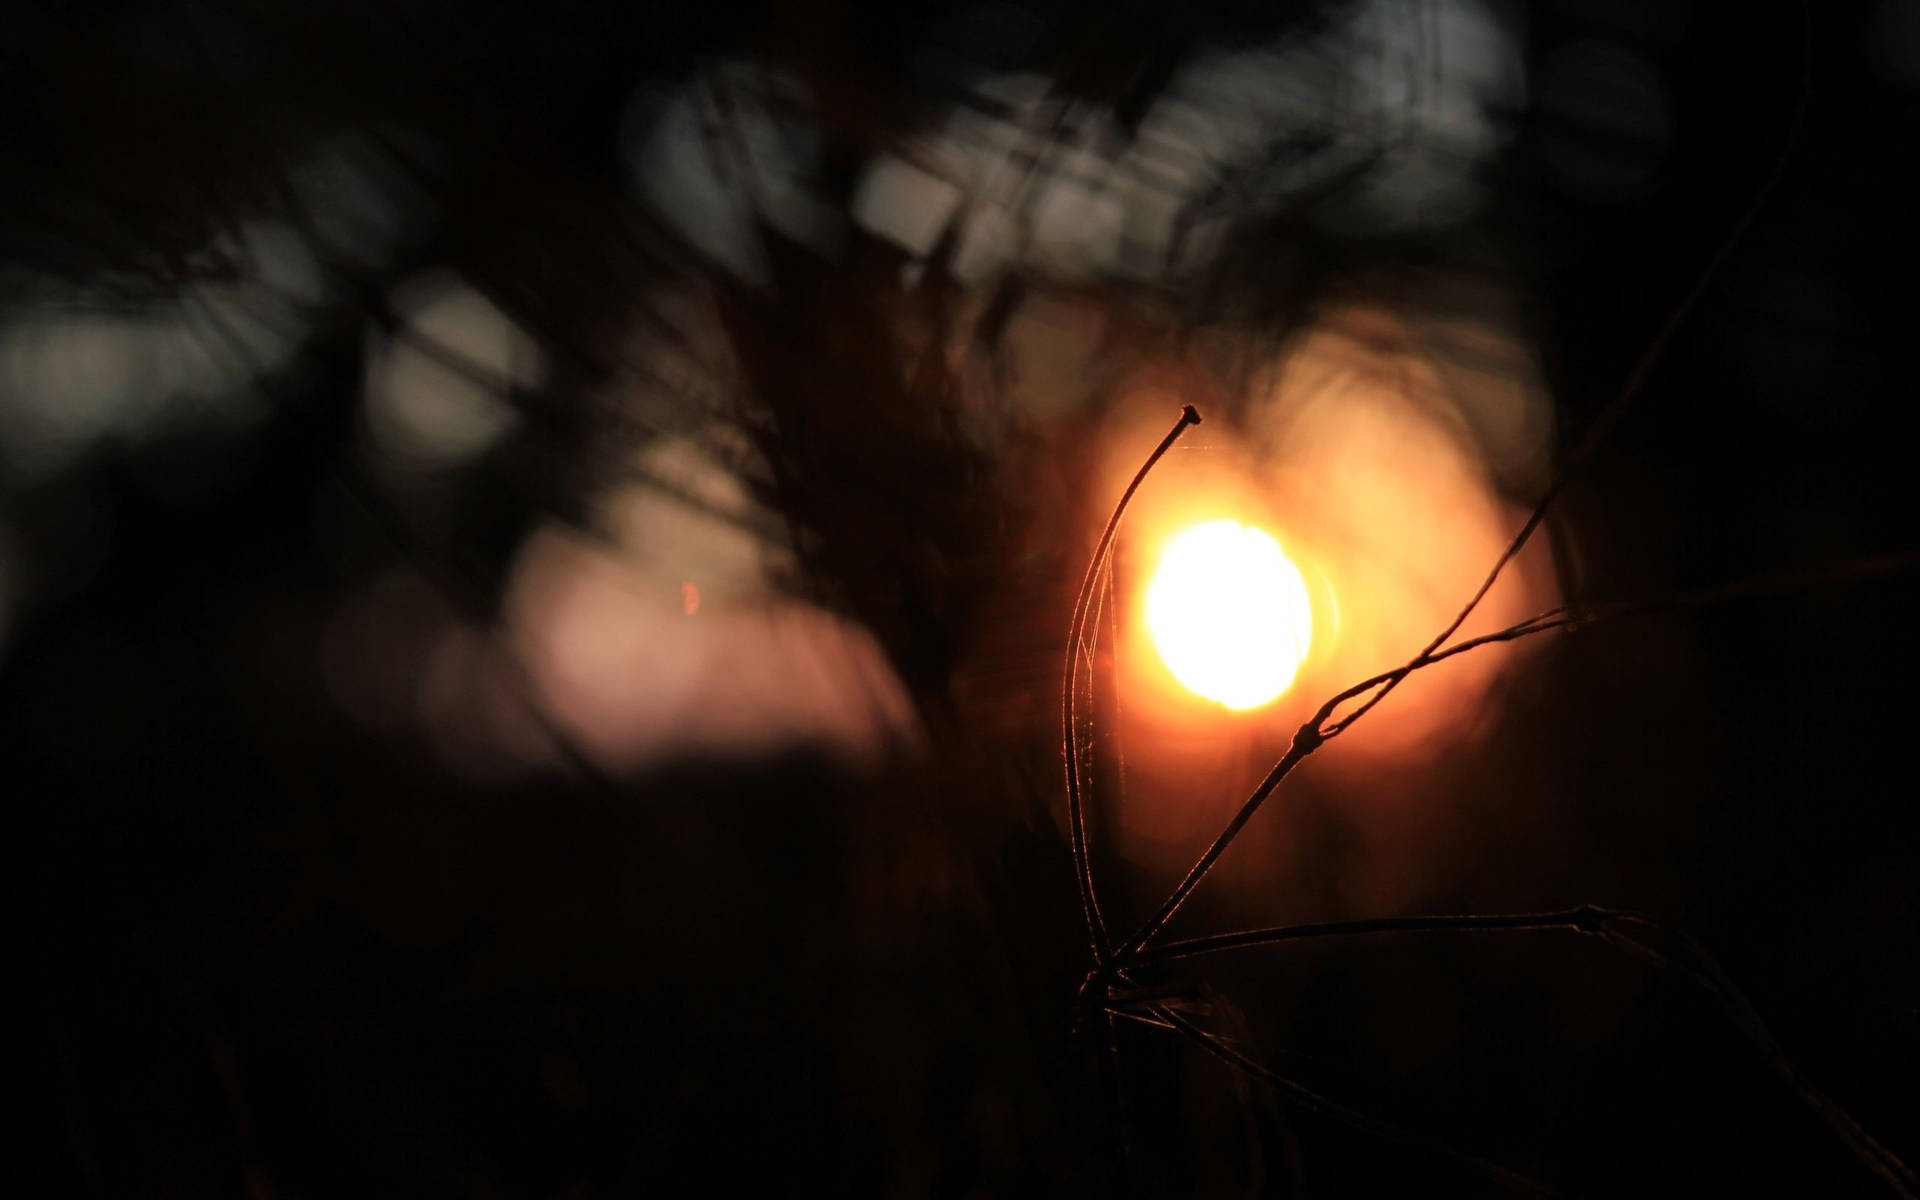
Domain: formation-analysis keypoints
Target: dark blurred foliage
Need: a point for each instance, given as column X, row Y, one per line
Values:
column 273, row 950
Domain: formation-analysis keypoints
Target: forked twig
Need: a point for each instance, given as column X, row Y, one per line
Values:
column 1310, row 737
column 1571, row 617
column 1317, row 730
column 1617, row 408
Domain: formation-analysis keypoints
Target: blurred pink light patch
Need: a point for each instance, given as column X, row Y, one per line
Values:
column 608, row 654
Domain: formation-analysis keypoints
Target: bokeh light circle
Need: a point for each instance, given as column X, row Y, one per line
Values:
column 1229, row 614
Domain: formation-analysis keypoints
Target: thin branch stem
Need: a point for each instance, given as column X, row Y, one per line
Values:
column 1616, row 409
column 1069, row 714
column 1305, row 741
column 1570, row 617
column 1585, row 918
column 1316, row 731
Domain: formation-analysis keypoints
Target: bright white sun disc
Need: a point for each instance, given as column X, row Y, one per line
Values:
column 1229, row 613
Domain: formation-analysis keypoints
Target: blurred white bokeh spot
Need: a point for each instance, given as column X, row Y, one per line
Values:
column 1382, row 119
column 439, row 390
column 724, row 153
column 75, row 374
column 905, row 205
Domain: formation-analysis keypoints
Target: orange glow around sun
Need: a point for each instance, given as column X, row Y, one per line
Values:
column 1229, row 614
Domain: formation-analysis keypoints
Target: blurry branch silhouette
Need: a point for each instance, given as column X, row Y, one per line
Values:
column 464, row 594
column 401, row 331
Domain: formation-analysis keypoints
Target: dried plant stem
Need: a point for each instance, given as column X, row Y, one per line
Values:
column 1609, row 418
column 1321, row 727
column 1585, row 918
column 1572, row 617
column 1097, row 939
column 1305, row 742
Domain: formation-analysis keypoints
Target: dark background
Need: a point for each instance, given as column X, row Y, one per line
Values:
column 266, row 951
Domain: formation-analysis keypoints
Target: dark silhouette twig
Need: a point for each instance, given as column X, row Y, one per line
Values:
column 1617, row 408
column 1317, row 730
column 1069, row 718
column 1306, row 740
column 1584, row 918
column 1573, row 618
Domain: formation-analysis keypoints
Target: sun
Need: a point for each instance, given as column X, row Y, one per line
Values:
column 1229, row 613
